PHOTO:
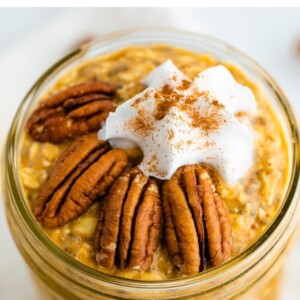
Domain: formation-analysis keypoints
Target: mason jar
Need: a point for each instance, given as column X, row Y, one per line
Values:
column 254, row 274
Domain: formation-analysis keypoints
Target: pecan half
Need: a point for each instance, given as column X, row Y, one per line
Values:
column 83, row 172
column 196, row 224
column 127, row 233
column 72, row 112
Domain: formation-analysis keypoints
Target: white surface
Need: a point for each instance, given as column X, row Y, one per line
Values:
column 268, row 35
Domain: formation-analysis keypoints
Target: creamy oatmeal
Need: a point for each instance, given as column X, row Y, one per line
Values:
column 252, row 202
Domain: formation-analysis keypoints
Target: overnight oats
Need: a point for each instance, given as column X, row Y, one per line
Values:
column 153, row 164
column 204, row 161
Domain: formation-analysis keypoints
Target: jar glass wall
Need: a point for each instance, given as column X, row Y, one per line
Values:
column 253, row 273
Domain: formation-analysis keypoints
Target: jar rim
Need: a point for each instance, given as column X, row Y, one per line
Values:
column 11, row 161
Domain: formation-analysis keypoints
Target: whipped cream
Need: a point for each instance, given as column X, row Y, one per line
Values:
column 176, row 122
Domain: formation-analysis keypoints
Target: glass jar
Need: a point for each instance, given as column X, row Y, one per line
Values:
column 254, row 274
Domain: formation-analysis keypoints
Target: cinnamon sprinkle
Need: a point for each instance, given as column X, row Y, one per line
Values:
column 171, row 134
column 166, row 90
column 153, row 166
column 185, row 85
column 141, row 125
column 208, row 119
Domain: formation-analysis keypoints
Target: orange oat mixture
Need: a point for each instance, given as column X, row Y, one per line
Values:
column 251, row 204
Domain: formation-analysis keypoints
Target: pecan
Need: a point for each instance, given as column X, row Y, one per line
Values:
column 127, row 233
column 196, row 225
column 76, row 111
column 83, row 172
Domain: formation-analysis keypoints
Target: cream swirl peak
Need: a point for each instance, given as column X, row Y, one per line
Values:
column 176, row 122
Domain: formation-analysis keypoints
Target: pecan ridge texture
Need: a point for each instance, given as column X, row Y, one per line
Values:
column 83, row 173
column 73, row 112
column 127, row 234
column 196, row 225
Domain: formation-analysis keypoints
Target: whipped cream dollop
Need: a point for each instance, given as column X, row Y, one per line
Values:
column 176, row 122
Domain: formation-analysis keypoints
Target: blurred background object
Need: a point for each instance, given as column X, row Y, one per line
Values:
column 32, row 39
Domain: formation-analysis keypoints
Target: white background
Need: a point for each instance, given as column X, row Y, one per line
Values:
column 31, row 40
